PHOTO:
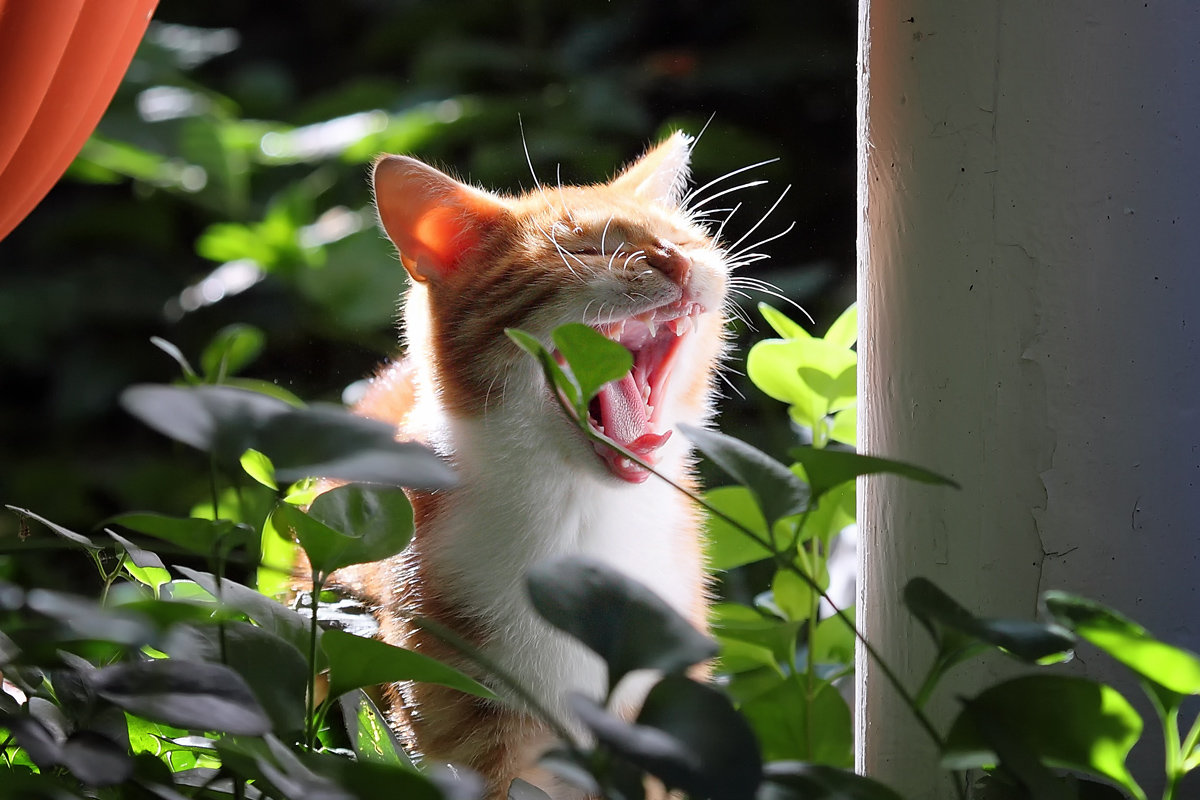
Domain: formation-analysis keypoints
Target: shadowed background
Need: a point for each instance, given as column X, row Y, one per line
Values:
column 227, row 184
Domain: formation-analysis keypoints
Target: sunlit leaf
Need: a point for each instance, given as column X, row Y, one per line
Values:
column 370, row 735
column 782, row 324
column 727, row 546
column 562, row 380
column 594, row 359
column 1064, row 721
column 1171, row 667
column 844, row 330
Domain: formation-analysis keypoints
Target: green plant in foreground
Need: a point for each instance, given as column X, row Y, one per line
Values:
column 180, row 682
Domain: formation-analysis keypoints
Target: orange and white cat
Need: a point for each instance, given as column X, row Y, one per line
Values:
column 625, row 258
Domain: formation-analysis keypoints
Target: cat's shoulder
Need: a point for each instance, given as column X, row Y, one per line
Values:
column 390, row 394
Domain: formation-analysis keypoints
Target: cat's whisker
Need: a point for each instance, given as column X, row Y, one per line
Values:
column 604, row 233
column 528, row 160
column 717, row 236
column 631, row 255
column 747, row 250
column 616, row 253
column 696, row 192
column 733, row 248
column 763, row 287
column 725, row 379
column 724, row 192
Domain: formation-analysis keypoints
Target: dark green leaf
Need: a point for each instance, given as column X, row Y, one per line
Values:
column 370, row 780
column 594, row 359
column 778, row 491
column 1029, row 641
column 95, row 759
column 355, row 662
column 687, row 734
column 85, row 619
column 273, row 668
column 36, row 739
column 207, row 697
column 828, row 468
column 289, row 625
column 622, row 620
column 1171, row 667
column 205, row 537
column 324, row 441
column 231, row 349
column 1064, row 721
column 77, row 538
column 792, row 780
column 702, row 718
column 371, row 738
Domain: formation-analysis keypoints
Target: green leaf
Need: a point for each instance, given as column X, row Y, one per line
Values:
column 831, row 513
column 355, row 662
column 350, row 524
column 778, row 491
column 1064, row 721
column 564, row 381
column 206, row 697
column 727, row 546
column 844, row 330
column 792, row 780
column 1171, row 667
column 789, row 727
column 838, row 390
column 259, row 467
column 202, row 536
column 775, row 365
column 742, row 623
column 323, row 441
column 620, row 619
column 828, row 468
column 231, row 349
column 594, row 359
column 844, row 428
column 1033, row 642
column 782, row 324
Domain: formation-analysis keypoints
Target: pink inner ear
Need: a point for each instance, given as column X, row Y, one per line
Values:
column 434, row 220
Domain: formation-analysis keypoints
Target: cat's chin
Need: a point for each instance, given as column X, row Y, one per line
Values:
column 627, row 411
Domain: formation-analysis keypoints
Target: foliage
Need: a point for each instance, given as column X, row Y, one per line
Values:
column 177, row 682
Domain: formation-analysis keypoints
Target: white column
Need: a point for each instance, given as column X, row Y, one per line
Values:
column 1029, row 280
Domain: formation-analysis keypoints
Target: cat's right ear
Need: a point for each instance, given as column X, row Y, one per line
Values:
column 435, row 221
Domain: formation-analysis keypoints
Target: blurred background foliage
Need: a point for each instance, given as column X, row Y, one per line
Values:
column 227, row 185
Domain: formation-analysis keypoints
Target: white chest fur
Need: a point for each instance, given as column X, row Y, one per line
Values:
column 523, row 501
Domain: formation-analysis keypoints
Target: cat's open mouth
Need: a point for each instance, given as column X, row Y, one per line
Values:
column 627, row 410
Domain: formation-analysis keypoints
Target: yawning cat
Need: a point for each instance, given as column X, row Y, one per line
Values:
column 624, row 257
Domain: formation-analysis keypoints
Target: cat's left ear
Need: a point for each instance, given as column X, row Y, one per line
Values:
column 661, row 174
column 435, row 221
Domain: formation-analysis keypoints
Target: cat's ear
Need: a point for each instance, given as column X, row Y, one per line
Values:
column 661, row 174
column 434, row 220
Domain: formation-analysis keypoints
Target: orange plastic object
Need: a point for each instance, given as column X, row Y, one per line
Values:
column 60, row 64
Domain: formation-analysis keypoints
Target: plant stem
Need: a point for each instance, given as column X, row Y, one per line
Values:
column 310, row 728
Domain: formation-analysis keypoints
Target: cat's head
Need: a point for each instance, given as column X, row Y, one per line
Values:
column 622, row 257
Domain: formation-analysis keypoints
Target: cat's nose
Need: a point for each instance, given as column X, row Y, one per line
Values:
column 668, row 259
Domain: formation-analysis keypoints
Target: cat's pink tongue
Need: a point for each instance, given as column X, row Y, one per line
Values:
column 623, row 416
